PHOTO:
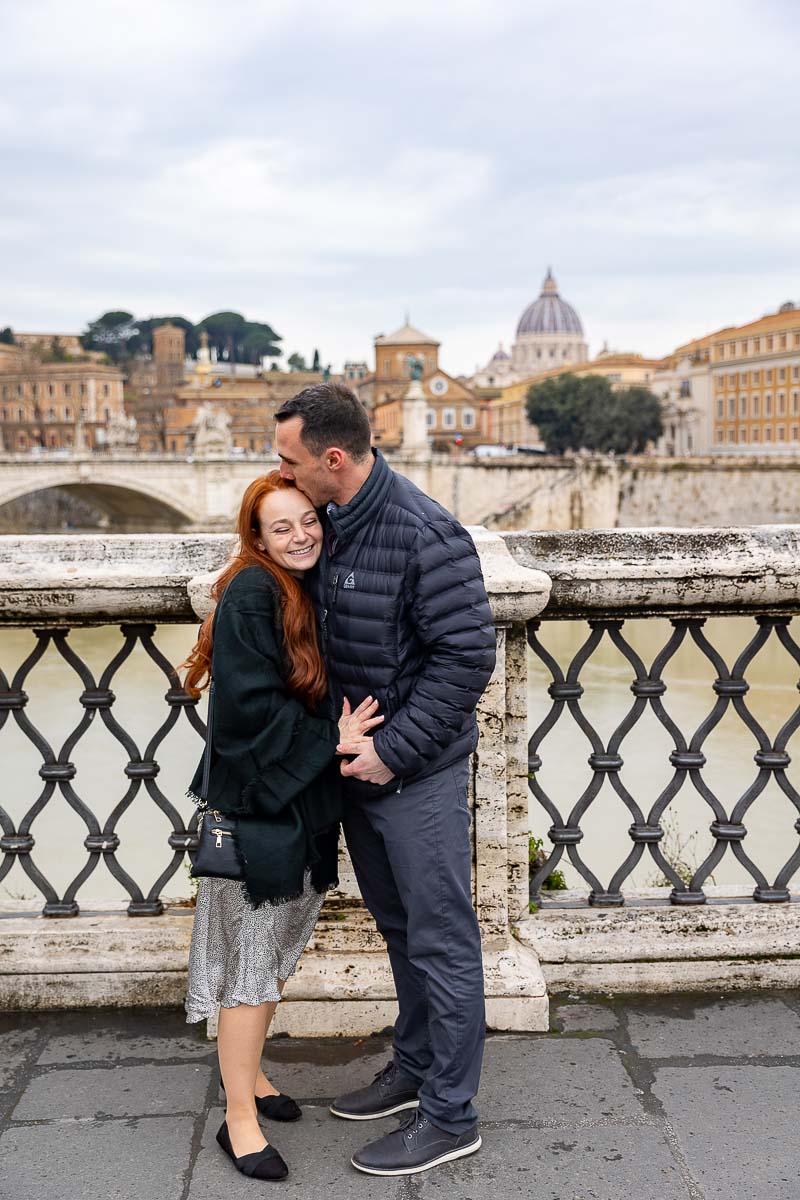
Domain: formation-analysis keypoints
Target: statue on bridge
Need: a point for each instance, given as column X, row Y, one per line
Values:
column 121, row 432
column 212, row 432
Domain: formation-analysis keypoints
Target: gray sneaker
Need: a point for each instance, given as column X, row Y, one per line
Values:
column 390, row 1092
column 416, row 1146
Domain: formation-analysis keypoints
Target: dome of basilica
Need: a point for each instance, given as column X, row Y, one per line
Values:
column 549, row 314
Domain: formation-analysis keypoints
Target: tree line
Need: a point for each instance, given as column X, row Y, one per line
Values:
column 584, row 412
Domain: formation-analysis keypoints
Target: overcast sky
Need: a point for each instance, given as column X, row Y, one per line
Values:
column 327, row 166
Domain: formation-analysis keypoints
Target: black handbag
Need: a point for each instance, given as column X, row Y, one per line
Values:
column 216, row 855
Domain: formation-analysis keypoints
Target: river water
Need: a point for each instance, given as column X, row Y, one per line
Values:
column 54, row 688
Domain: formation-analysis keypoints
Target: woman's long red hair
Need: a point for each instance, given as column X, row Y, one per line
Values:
column 307, row 679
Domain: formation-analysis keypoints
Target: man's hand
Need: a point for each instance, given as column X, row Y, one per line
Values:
column 366, row 766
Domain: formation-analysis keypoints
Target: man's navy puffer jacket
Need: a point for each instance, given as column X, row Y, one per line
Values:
column 403, row 615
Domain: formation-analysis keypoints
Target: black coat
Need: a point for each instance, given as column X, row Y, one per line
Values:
column 272, row 762
column 403, row 614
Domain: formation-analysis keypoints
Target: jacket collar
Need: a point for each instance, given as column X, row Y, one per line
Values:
column 348, row 519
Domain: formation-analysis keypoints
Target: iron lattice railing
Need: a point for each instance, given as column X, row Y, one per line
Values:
column 646, row 831
column 58, row 770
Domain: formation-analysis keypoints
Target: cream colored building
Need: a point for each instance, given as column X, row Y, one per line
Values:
column 683, row 384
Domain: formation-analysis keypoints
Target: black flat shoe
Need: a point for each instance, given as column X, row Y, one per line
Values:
column 276, row 1108
column 263, row 1164
column 279, row 1108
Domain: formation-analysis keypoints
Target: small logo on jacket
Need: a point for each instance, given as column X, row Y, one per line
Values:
column 350, row 582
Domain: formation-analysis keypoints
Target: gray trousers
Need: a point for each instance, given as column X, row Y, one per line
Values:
column 411, row 855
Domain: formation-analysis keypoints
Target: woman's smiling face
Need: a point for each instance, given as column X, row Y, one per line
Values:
column 290, row 530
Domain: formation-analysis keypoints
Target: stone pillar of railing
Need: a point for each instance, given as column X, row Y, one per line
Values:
column 346, row 960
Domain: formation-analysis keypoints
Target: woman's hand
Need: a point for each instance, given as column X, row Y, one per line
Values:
column 353, row 725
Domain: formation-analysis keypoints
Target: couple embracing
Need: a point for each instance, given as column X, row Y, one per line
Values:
column 351, row 641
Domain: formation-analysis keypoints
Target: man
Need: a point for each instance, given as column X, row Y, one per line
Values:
column 403, row 616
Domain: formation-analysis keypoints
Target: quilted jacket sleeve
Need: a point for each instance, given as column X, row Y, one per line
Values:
column 269, row 743
column 451, row 613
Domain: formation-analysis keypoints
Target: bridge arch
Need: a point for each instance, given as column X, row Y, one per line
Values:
column 128, row 504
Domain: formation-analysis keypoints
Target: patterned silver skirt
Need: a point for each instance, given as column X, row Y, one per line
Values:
column 238, row 952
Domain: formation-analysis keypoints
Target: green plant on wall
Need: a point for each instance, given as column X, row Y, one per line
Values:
column 537, row 856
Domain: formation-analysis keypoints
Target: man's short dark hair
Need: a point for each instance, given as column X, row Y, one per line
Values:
column 332, row 415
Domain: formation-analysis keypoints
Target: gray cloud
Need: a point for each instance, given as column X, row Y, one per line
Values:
column 324, row 166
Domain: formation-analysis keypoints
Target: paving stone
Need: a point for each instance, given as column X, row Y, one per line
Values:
column 578, row 1017
column 15, row 1046
column 554, row 1079
column 314, row 1069
column 737, row 1126
column 729, row 1027
column 144, row 1159
column 100, row 1045
column 317, row 1149
column 572, row 1164
column 118, row 1092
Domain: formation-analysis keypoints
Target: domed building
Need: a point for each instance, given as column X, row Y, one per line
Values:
column 549, row 334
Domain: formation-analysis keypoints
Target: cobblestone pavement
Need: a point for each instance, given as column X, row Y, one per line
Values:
column 645, row 1098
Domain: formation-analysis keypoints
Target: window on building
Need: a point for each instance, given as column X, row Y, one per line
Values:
column 795, row 372
column 795, row 433
column 105, row 389
column 720, row 407
column 756, row 344
column 732, row 349
column 769, row 343
column 19, row 389
column 782, row 375
column 781, row 403
column 22, row 441
column 731, row 407
column 718, row 435
column 83, row 389
column 51, row 414
column 781, row 433
column 768, row 405
column 768, row 376
column 20, row 414
column 51, row 391
column 768, row 433
column 742, row 435
column 795, row 402
column 107, row 416
column 797, row 339
column 3, row 414
column 756, row 377
column 756, row 405
column 744, row 346
column 67, row 413
column 468, row 418
column 743, row 406
column 52, row 438
column 67, row 389
column 731, row 435
column 782, row 342
column 449, row 418
column 756, row 435
column 732, row 381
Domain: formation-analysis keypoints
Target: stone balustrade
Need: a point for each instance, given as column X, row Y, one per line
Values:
column 52, row 584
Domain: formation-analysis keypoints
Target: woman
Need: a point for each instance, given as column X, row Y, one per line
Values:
column 274, row 767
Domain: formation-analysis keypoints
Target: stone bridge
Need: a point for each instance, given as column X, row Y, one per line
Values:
column 162, row 492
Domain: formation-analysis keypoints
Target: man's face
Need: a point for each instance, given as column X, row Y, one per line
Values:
column 309, row 472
